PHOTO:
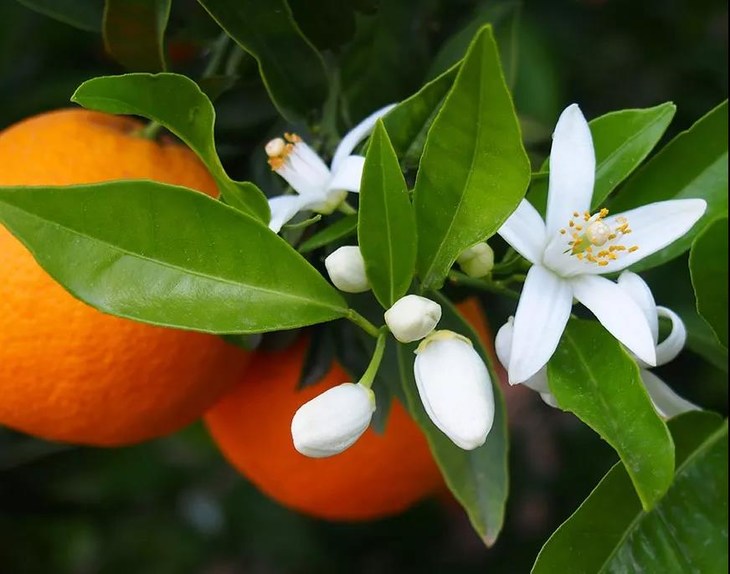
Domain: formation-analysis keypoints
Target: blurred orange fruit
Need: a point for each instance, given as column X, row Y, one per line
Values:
column 67, row 371
column 380, row 475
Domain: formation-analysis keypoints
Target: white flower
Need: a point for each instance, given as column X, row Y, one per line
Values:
column 346, row 269
column 332, row 421
column 317, row 187
column 572, row 248
column 412, row 318
column 477, row 261
column 455, row 389
column 667, row 403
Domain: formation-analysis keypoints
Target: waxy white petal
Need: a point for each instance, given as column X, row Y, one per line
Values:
column 524, row 230
column 540, row 320
column 284, row 207
column 670, row 347
column 572, row 169
column 455, row 389
column 305, row 171
column 346, row 268
column 356, row 135
column 412, row 317
column 639, row 291
column 653, row 227
column 618, row 313
column 503, row 346
column 667, row 403
column 332, row 421
column 348, row 174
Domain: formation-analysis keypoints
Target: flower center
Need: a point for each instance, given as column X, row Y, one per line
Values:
column 590, row 232
column 279, row 149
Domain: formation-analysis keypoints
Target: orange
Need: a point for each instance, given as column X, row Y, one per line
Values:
column 380, row 475
column 67, row 371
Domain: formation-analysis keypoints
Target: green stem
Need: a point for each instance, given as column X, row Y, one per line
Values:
column 363, row 323
column 484, row 284
column 369, row 376
column 150, row 131
column 346, row 208
column 216, row 56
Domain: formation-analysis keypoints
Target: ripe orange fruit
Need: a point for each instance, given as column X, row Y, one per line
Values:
column 67, row 371
column 380, row 475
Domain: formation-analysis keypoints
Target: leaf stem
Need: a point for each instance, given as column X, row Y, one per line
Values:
column 369, row 376
column 346, row 208
column 363, row 323
column 483, row 284
column 150, row 131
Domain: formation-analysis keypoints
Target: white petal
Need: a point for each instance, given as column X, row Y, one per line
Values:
column 618, row 313
column 305, row 171
column 346, row 268
column 667, row 403
column 540, row 319
column 455, row 389
column 524, row 230
column 332, row 421
column 284, row 207
column 636, row 288
column 670, row 347
column 412, row 317
column 348, row 174
column 572, row 169
column 550, row 400
column 356, row 135
column 653, row 227
column 503, row 346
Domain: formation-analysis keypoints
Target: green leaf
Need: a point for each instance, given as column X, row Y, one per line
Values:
column 83, row 14
column 474, row 170
column 329, row 25
column 290, row 66
column 169, row 256
column 409, row 122
column 177, row 103
column 694, row 164
column 477, row 478
column 340, row 229
column 622, row 140
column 504, row 16
column 134, row 33
column 685, row 532
column 387, row 227
column 708, row 266
column 592, row 376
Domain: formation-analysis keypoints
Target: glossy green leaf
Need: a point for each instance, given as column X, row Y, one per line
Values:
column 134, row 33
column 477, row 478
column 386, row 227
column 290, row 66
column 701, row 338
column 474, row 170
column 694, row 164
column 177, row 103
column 340, row 229
column 685, row 532
column 708, row 265
column 504, row 16
column 329, row 25
column 169, row 256
column 83, row 14
column 592, row 376
column 409, row 122
column 621, row 140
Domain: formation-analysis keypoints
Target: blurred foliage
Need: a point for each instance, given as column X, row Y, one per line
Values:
column 174, row 505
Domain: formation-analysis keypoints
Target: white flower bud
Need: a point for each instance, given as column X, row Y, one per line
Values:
column 412, row 318
column 477, row 261
column 332, row 421
column 455, row 388
column 346, row 269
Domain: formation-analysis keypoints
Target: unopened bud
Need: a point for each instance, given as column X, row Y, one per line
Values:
column 455, row 388
column 477, row 261
column 346, row 269
column 332, row 421
column 412, row 317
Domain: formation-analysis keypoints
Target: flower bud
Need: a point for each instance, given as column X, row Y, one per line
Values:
column 412, row 318
column 477, row 261
column 346, row 269
column 332, row 421
column 455, row 388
